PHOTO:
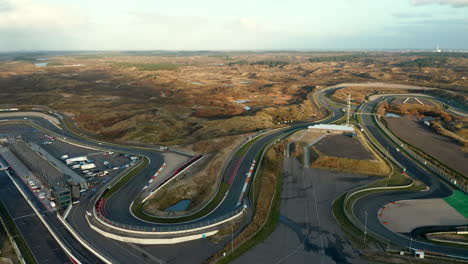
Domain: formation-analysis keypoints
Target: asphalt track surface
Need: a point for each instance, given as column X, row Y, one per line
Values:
column 372, row 203
column 117, row 209
column 43, row 246
column 125, row 196
column 117, row 206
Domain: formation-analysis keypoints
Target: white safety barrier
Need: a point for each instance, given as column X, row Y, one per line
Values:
column 82, row 242
column 59, row 241
column 171, row 179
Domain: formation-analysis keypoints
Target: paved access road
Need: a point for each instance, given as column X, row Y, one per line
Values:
column 308, row 231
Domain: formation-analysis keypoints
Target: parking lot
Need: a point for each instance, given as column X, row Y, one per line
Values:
column 93, row 165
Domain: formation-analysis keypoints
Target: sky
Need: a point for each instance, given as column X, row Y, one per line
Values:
column 232, row 25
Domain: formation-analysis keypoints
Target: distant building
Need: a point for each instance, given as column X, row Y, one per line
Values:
column 3, row 138
column 62, row 196
column 333, row 129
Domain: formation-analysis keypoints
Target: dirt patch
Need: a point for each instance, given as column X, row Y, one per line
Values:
column 343, row 146
column 440, row 147
column 404, row 216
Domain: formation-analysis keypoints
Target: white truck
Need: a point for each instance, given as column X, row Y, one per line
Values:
column 76, row 166
column 76, row 159
column 64, row 157
column 88, row 166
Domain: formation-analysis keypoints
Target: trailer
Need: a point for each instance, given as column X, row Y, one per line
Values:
column 88, row 166
column 75, row 159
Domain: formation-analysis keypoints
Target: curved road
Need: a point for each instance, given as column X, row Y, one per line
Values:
column 372, row 203
column 117, row 207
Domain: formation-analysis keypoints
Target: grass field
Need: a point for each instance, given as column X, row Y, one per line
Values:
column 459, row 201
column 137, row 209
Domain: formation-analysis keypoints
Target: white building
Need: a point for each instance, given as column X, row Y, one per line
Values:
column 328, row 128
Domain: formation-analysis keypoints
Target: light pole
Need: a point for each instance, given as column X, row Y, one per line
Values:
column 232, row 239
column 410, row 245
column 365, row 228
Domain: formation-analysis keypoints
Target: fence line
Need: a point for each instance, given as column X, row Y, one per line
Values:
column 434, row 168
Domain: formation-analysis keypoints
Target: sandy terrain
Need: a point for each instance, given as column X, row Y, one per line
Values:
column 404, row 216
column 175, row 98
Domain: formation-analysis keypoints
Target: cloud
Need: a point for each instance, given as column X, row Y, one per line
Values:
column 411, row 15
column 173, row 21
column 4, row 6
column 38, row 24
column 454, row 3
column 36, row 14
column 250, row 24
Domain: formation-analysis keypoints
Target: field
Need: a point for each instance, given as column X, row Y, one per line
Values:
column 444, row 123
column 343, row 146
column 164, row 97
column 440, row 147
column 347, row 154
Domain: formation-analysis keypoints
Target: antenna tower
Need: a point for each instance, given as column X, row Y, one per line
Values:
column 349, row 110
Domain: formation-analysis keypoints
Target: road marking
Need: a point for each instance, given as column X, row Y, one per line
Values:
column 418, row 101
column 24, row 216
column 154, row 176
column 247, row 180
column 233, row 175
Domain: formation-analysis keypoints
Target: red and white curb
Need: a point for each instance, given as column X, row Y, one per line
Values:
column 154, row 176
column 247, row 180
